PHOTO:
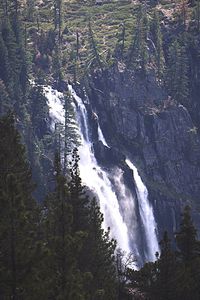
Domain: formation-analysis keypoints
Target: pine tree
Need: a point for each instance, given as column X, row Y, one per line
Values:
column 38, row 110
column 18, row 217
column 98, row 258
column 138, row 51
column 57, row 66
column 158, row 44
column 4, row 99
column 166, row 266
column 58, row 17
column 95, row 56
column 197, row 15
column 188, row 254
column 79, row 199
column 64, row 280
column 4, row 7
column 177, row 74
column 14, row 64
column 31, row 12
column 5, row 71
column 186, row 238
column 119, row 48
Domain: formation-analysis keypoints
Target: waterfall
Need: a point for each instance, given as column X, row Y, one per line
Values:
column 128, row 208
column 117, row 202
column 55, row 103
column 146, row 214
column 101, row 136
column 98, row 181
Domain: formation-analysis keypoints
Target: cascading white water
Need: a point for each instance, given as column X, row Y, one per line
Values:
column 101, row 136
column 119, row 213
column 92, row 174
column 55, row 104
column 128, row 207
column 146, row 214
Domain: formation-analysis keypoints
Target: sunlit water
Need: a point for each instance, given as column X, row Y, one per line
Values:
column 119, row 209
column 146, row 215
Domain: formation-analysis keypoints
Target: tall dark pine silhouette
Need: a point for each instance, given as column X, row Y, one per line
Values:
column 63, row 280
column 18, row 217
column 186, row 238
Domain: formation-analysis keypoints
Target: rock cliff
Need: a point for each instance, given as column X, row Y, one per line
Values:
column 140, row 121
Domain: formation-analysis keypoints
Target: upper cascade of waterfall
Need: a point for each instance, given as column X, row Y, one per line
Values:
column 146, row 214
column 55, row 103
column 81, row 114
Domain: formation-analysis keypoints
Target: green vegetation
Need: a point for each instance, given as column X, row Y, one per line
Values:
column 65, row 39
column 56, row 250
column 175, row 274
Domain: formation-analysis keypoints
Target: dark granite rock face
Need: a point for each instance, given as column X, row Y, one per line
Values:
column 141, row 122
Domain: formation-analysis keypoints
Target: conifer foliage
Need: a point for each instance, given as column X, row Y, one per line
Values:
column 175, row 274
column 18, row 217
column 56, row 250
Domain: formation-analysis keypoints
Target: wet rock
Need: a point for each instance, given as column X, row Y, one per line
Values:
column 139, row 120
column 108, row 156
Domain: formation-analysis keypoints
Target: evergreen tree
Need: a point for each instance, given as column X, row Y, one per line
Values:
column 14, row 62
column 64, row 280
column 78, row 198
column 57, row 65
column 119, row 49
column 177, row 75
column 97, row 257
column 5, row 71
column 166, row 266
column 4, row 99
column 4, row 7
column 95, row 56
column 197, row 14
column 174, row 275
column 158, row 44
column 38, row 110
column 18, row 218
column 30, row 10
column 188, row 275
column 58, row 17
column 145, row 279
column 138, row 51
column 186, row 238
column 124, row 262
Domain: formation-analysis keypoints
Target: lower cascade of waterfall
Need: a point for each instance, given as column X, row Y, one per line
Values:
column 117, row 203
column 146, row 215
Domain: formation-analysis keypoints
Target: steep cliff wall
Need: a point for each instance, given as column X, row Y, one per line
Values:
column 140, row 121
